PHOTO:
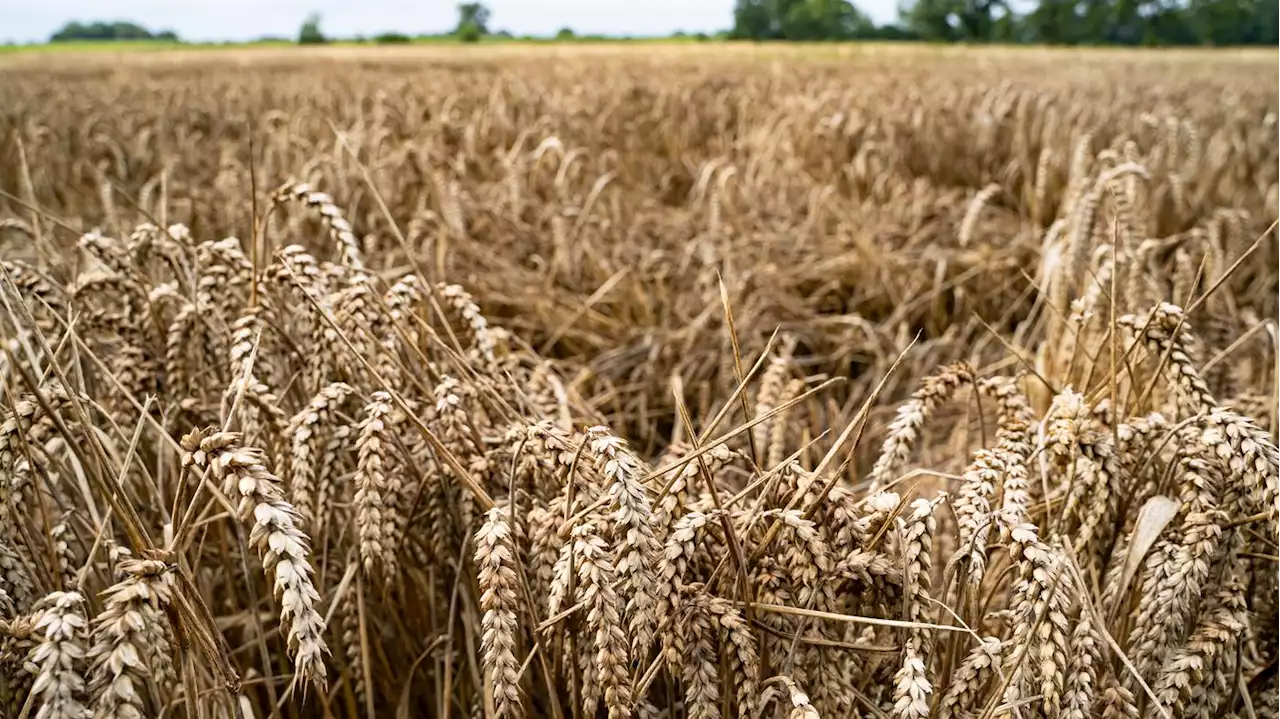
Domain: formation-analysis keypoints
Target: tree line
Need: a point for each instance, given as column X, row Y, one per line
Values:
column 1053, row 22
column 73, row 31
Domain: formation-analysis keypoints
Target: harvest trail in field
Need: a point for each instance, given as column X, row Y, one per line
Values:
column 844, row 381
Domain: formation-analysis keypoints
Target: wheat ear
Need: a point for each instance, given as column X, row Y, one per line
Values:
column 282, row 545
column 495, row 562
column 60, row 657
column 637, row 547
column 373, row 447
column 120, row 632
column 905, row 429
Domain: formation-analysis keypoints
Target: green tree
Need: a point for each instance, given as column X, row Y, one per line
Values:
column 1070, row 22
column 961, row 20
column 1167, row 25
column 933, row 19
column 1267, row 31
column 109, row 31
column 473, row 21
column 310, row 33
column 392, row 38
column 1233, row 22
column 980, row 19
column 824, row 20
column 1054, row 22
column 1134, row 22
column 755, row 20
column 799, row 20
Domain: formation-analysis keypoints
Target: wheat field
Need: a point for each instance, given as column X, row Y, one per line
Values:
column 839, row 381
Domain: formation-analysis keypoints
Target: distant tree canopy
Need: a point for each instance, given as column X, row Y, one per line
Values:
column 1071, row 22
column 392, row 38
column 109, row 31
column 310, row 33
column 473, row 21
column 799, row 20
column 1097, row 22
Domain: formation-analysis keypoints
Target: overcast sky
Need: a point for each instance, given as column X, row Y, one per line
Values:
column 35, row 20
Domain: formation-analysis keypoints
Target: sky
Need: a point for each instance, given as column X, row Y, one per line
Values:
column 212, row 20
